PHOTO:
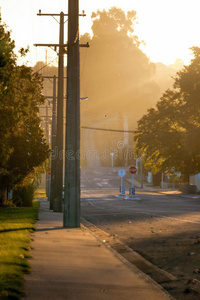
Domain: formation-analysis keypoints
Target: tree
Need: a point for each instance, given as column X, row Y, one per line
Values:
column 7, row 65
column 117, row 78
column 168, row 136
column 22, row 142
column 116, row 73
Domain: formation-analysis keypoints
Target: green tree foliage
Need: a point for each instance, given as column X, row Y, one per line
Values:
column 22, row 143
column 7, row 65
column 168, row 136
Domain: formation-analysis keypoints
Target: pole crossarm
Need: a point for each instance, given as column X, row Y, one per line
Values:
column 61, row 46
column 52, row 15
column 50, row 45
column 87, row 45
column 57, row 15
column 51, row 77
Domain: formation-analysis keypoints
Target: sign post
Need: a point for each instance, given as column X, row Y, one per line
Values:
column 132, row 170
column 112, row 154
column 121, row 174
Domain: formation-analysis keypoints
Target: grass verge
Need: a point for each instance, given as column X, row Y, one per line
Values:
column 16, row 224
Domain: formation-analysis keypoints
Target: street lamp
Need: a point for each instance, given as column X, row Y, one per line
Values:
column 112, row 154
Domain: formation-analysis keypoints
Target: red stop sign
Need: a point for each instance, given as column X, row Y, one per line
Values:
column 133, row 170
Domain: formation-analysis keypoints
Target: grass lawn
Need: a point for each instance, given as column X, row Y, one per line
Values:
column 16, row 223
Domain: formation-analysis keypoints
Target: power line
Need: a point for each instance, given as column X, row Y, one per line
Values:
column 103, row 129
column 45, row 65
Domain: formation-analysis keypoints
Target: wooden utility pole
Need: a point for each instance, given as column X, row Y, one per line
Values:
column 59, row 141
column 72, row 160
column 47, row 134
column 72, row 165
column 58, row 182
column 53, row 147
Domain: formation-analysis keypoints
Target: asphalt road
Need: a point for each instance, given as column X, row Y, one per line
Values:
column 100, row 186
column 163, row 228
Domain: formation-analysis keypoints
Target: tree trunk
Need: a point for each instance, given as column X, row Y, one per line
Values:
column 3, row 194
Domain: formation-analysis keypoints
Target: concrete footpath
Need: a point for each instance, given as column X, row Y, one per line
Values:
column 73, row 264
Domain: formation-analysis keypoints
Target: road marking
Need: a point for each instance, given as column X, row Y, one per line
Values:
column 95, row 206
column 88, row 180
column 103, row 184
column 152, row 214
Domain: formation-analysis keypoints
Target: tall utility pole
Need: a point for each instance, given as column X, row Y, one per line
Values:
column 53, row 147
column 57, row 203
column 54, row 151
column 72, row 163
column 47, row 133
column 72, row 168
column 59, row 161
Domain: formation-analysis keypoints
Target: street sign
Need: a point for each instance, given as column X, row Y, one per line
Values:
column 122, row 190
column 132, row 191
column 121, row 173
column 112, row 154
column 133, row 170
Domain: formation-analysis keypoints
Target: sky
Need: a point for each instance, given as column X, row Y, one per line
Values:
column 168, row 27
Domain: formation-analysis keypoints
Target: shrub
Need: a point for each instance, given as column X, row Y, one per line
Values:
column 23, row 195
